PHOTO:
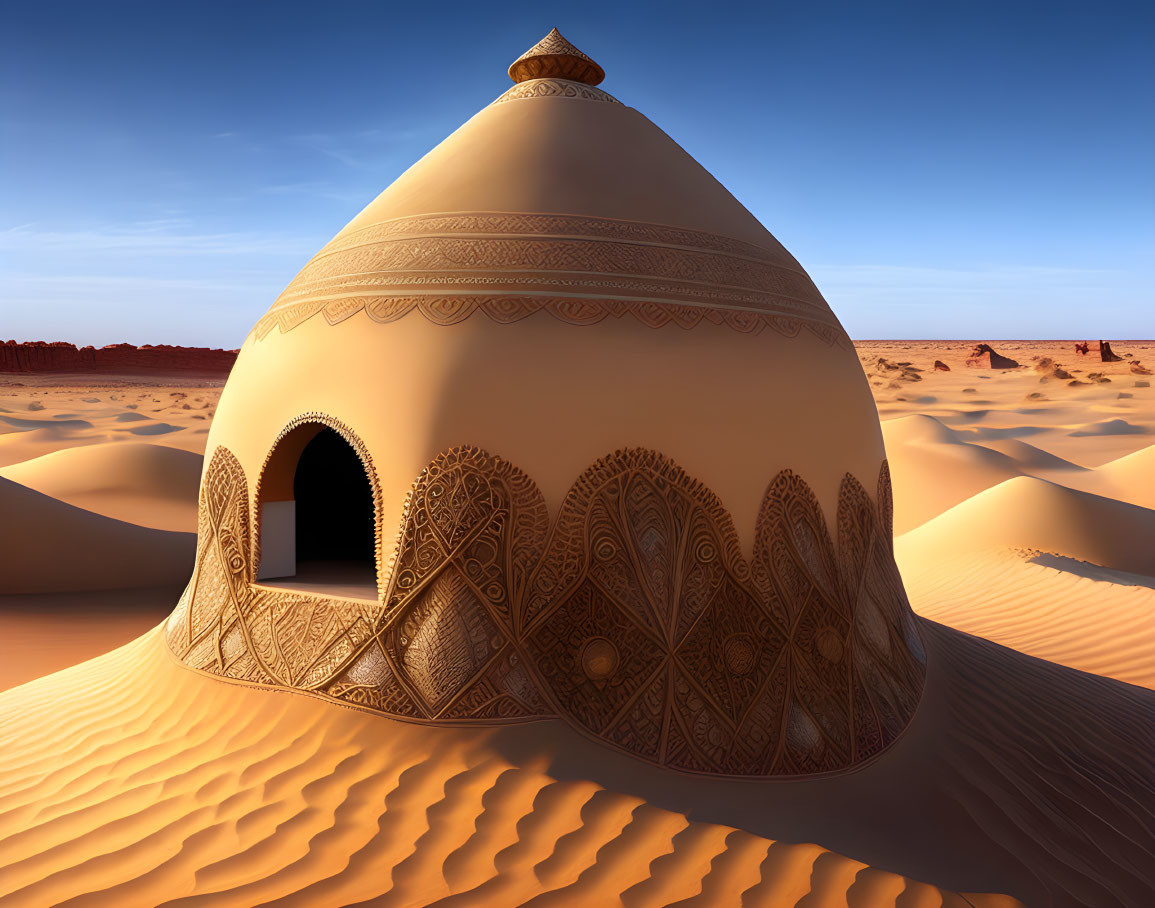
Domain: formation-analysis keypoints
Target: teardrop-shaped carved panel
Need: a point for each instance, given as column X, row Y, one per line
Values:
column 635, row 618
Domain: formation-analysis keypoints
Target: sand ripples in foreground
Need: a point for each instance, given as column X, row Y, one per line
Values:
column 131, row 780
column 154, row 784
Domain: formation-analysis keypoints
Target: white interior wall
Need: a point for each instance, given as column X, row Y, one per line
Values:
column 278, row 540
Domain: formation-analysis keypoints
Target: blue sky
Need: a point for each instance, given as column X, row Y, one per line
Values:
column 941, row 169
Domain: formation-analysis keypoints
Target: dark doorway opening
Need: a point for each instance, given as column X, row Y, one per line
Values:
column 334, row 504
column 318, row 531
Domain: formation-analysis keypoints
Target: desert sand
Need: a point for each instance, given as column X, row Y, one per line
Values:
column 45, row 412
column 1023, row 507
column 1025, row 533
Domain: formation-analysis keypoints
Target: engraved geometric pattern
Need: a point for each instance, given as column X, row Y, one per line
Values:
column 227, row 625
column 634, row 616
column 554, row 56
column 555, row 88
column 581, row 270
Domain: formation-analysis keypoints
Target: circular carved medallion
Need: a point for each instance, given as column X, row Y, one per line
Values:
column 599, row 658
column 604, row 549
column 829, row 644
column 738, row 652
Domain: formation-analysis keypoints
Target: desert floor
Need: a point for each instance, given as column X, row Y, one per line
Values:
column 1024, row 518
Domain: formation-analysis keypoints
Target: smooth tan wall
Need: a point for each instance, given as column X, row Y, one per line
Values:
column 552, row 398
column 570, row 156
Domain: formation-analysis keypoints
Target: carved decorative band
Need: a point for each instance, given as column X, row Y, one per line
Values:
column 535, row 262
column 493, row 224
column 555, row 88
column 449, row 310
column 634, row 617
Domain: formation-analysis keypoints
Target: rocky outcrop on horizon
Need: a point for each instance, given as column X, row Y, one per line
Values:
column 59, row 356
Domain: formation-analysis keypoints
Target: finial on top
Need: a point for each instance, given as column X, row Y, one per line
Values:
column 554, row 57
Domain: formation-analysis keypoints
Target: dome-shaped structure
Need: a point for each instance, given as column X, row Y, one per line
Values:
column 526, row 439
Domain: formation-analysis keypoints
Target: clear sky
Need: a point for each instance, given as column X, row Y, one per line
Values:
column 942, row 169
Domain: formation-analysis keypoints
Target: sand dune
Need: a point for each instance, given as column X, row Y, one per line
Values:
column 58, row 424
column 921, row 450
column 1031, row 513
column 1130, row 478
column 194, row 790
column 42, row 413
column 1057, row 573
column 1031, row 459
column 156, row 428
column 149, row 485
column 1110, row 427
column 55, row 546
column 991, row 407
column 1052, row 607
column 1026, row 523
column 939, row 467
column 43, row 633
column 19, row 446
column 1052, row 572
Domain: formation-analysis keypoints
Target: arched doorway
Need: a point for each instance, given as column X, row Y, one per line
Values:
column 317, row 528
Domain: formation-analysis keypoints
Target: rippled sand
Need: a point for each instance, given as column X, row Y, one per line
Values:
column 1025, row 513
column 187, row 789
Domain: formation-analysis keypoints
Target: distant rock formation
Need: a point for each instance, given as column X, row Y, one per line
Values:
column 983, row 355
column 896, row 372
column 1048, row 368
column 1107, row 355
column 58, row 356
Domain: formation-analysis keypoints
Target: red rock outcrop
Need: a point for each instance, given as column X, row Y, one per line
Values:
column 58, row 356
column 984, row 357
column 1107, row 355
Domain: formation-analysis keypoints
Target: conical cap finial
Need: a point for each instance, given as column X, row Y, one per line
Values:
column 553, row 57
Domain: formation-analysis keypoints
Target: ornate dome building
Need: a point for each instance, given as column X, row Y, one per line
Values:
column 526, row 440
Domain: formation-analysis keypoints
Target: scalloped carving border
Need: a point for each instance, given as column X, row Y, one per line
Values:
column 632, row 615
column 581, row 270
